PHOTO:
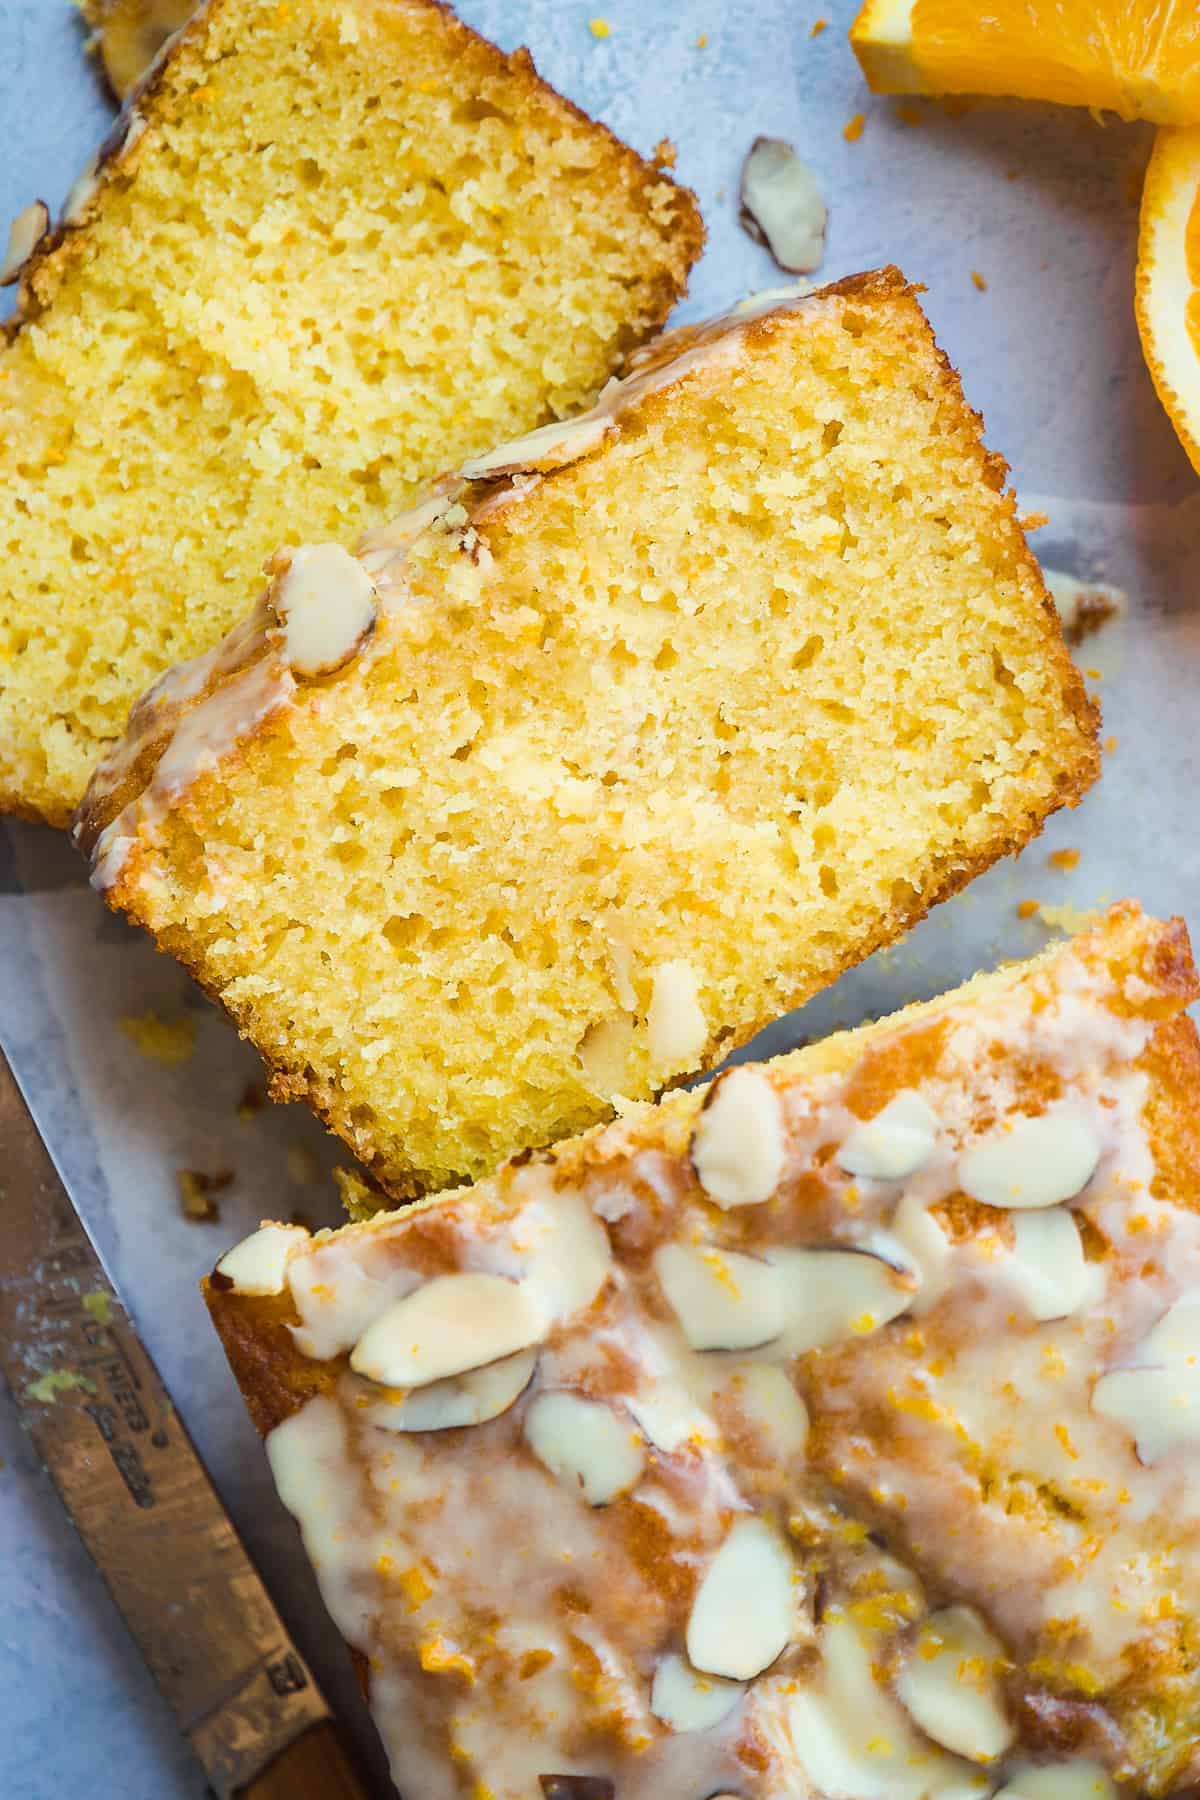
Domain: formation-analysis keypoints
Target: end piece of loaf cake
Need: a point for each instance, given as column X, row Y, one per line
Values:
column 828, row 1432
column 331, row 251
column 617, row 747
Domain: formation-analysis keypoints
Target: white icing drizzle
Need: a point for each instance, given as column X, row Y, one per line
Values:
column 202, row 709
column 543, row 1592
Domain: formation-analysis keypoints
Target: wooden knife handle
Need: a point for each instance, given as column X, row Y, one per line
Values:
column 314, row 1767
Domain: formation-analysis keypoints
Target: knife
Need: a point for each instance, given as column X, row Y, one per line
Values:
column 141, row 1500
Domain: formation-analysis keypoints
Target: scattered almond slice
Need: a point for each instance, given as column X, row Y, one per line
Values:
column 567, row 1265
column 550, row 447
column 832, row 1295
column 1047, row 1265
column 688, row 1701
column 669, row 1417
column 1137, row 58
column 741, row 1617
column 1167, row 290
column 258, row 1265
column 898, row 1141
column 449, row 1325
column 1034, row 1163
column 470, row 1399
column 585, row 1444
column 949, row 1684
column 1077, row 1780
column 739, row 1147
column 722, row 1299
column 771, row 1407
column 781, row 205
column 1157, row 1398
column 918, row 1233
column 325, row 602
column 24, row 235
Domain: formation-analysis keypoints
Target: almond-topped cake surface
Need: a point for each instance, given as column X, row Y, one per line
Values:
column 329, row 250
column 619, row 744
column 827, row 1434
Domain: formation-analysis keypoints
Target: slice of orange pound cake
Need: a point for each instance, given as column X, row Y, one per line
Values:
column 334, row 247
column 828, row 1434
column 621, row 743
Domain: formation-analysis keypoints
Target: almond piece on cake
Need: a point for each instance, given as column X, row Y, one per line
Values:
column 621, row 743
column 870, row 1472
column 329, row 251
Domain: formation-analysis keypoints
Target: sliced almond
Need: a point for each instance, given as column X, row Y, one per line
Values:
column 549, row 447
column 24, row 235
column 898, row 1141
column 722, row 1299
column 771, row 1407
column 1047, row 1266
column 739, row 1147
column 470, row 1399
column 1033, row 1162
column 1075, row 1780
column 585, row 1444
column 1157, row 1399
column 852, row 1740
column 782, row 207
column 676, row 1028
column 668, row 1416
column 451, row 1324
column 741, row 1617
column 949, row 1684
column 918, row 1233
column 569, row 1259
column 686, row 1700
column 258, row 1265
column 832, row 1295
column 326, row 603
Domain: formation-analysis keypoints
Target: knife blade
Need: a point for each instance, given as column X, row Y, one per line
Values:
column 141, row 1500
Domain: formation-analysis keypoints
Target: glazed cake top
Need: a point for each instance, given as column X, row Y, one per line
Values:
column 828, row 1433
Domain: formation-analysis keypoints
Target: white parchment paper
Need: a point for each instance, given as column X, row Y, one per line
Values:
column 1043, row 205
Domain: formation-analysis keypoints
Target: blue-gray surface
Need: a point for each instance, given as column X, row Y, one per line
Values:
column 1043, row 205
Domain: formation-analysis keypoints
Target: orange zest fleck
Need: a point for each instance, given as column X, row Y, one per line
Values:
column 818, row 26
column 1066, row 860
column 1027, row 908
column 978, row 281
column 852, row 130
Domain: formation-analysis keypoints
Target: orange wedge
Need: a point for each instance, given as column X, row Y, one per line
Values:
column 1168, row 280
column 1137, row 58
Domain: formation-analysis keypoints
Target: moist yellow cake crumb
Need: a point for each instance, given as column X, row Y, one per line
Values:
column 338, row 249
column 639, row 752
column 169, row 1041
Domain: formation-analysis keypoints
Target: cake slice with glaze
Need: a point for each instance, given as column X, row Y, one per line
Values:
column 328, row 251
column 624, row 741
column 829, row 1433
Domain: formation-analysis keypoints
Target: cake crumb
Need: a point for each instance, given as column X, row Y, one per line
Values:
column 98, row 1306
column 1110, row 743
column 852, row 130
column 1033, row 521
column 169, row 1041
column 1027, row 908
column 599, row 28
column 1066, row 860
column 197, row 1191
column 302, row 1165
column 978, row 281
column 664, row 153
column 254, row 1098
